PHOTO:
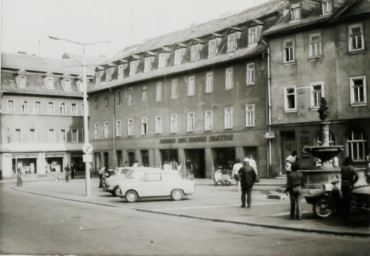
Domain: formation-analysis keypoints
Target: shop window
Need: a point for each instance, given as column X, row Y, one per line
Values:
column 173, row 124
column 209, row 82
column 229, row 79
column 355, row 38
column 356, row 145
column 290, row 99
column 250, row 115
column 208, row 120
column 317, row 91
column 118, row 128
column 228, row 118
column 358, row 91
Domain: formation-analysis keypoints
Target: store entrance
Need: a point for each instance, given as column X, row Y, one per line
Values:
column 197, row 159
column 54, row 164
column 168, row 156
column 27, row 165
column 224, row 157
column 144, row 157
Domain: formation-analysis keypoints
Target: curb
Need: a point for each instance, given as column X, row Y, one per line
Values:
column 317, row 231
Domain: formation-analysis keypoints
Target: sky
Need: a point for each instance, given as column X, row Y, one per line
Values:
column 27, row 24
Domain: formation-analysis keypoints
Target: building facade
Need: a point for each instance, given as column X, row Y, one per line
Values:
column 320, row 49
column 197, row 94
column 41, row 114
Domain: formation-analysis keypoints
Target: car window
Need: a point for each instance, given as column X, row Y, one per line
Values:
column 152, row 177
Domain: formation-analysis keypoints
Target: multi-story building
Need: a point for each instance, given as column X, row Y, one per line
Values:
column 197, row 94
column 41, row 113
column 320, row 49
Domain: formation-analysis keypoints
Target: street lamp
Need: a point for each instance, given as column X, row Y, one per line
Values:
column 87, row 146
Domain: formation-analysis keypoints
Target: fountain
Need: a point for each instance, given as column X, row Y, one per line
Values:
column 325, row 152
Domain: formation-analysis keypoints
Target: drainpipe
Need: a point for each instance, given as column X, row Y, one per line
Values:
column 114, row 131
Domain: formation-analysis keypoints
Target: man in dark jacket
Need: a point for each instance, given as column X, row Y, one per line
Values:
column 247, row 179
column 294, row 187
column 349, row 177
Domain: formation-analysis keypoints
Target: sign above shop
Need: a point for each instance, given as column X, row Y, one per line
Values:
column 213, row 138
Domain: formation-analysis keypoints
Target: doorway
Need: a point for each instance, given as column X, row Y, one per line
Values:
column 196, row 156
column 145, row 157
column 287, row 146
column 131, row 158
column 224, row 157
column 169, row 155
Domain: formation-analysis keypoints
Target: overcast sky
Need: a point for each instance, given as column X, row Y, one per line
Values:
column 26, row 24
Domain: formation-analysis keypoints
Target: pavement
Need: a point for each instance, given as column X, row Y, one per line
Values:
column 209, row 202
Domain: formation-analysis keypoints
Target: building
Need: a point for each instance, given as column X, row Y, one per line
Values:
column 197, row 94
column 320, row 49
column 41, row 113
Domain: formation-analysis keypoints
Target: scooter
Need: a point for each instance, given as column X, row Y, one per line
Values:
column 223, row 179
column 329, row 200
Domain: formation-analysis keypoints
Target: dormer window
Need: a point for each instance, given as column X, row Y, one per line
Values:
column 327, row 6
column 98, row 76
column 179, row 55
column 133, row 67
column 212, row 47
column 295, row 12
column 231, row 42
column 109, row 74
column 66, row 83
column 252, row 36
column 162, row 62
column 148, row 64
column 80, row 85
column 49, row 82
column 120, row 71
column 195, row 52
column 21, row 81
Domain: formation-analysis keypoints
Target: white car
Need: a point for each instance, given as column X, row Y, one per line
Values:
column 111, row 183
column 155, row 184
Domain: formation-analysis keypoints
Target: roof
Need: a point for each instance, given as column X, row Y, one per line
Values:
column 202, row 30
column 90, row 60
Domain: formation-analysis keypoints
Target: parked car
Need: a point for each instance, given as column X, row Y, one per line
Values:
column 155, row 184
column 110, row 184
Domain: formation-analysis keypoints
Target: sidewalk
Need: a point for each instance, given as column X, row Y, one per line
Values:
column 214, row 203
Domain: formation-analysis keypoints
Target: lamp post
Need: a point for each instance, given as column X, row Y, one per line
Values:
column 87, row 146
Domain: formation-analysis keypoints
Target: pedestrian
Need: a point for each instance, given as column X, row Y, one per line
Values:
column 73, row 170
column 290, row 160
column 67, row 171
column 247, row 179
column 252, row 163
column 19, row 177
column 189, row 169
column 294, row 187
column 101, row 174
column 349, row 177
column 235, row 173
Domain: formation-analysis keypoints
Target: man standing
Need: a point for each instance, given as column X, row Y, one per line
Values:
column 290, row 160
column 294, row 187
column 67, row 170
column 247, row 179
column 19, row 177
column 101, row 174
column 349, row 178
column 236, row 168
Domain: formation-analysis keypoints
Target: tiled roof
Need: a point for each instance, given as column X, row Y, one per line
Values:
column 90, row 60
column 202, row 29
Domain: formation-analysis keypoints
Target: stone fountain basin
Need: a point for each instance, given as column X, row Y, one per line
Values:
column 325, row 153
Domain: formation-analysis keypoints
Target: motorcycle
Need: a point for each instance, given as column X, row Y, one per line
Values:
column 329, row 200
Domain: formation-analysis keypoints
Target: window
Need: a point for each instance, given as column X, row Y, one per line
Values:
column 295, row 12
column 63, row 136
column 120, row 71
column 158, row 90
column 10, row 105
column 174, row 87
column 50, row 108
column 32, row 136
column 21, row 81
column 231, row 42
column 62, row 108
column 130, row 100
column 356, row 145
column 144, row 93
column 98, row 78
column 289, row 53
column 18, row 135
column 37, row 107
column 66, row 83
column 179, row 54
column 191, row 85
column 327, row 6
column 208, row 120
column 51, row 136
column 74, row 135
column 191, row 122
column 118, row 128
column 24, row 106
column 130, row 127
column 173, row 124
column 106, row 129
column 228, row 118
column 195, row 52
column 74, row 108
column 229, row 79
column 209, row 82
column 96, row 102
column 133, row 67
column 314, row 48
column 80, row 85
column 358, row 91
column 355, row 38
column 162, row 61
column 290, row 99
column 49, row 82
column 250, row 74
column 158, row 124
column 148, row 64
column 96, row 130
column 212, row 47
column 106, row 100
column 144, row 125
column 252, row 36
column 317, row 91
column 250, row 115
column 109, row 74
column 118, row 98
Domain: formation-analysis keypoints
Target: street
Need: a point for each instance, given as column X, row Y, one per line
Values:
column 34, row 224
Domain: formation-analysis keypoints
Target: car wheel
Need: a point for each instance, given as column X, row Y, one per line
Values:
column 321, row 208
column 177, row 194
column 131, row 196
column 116, row 191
